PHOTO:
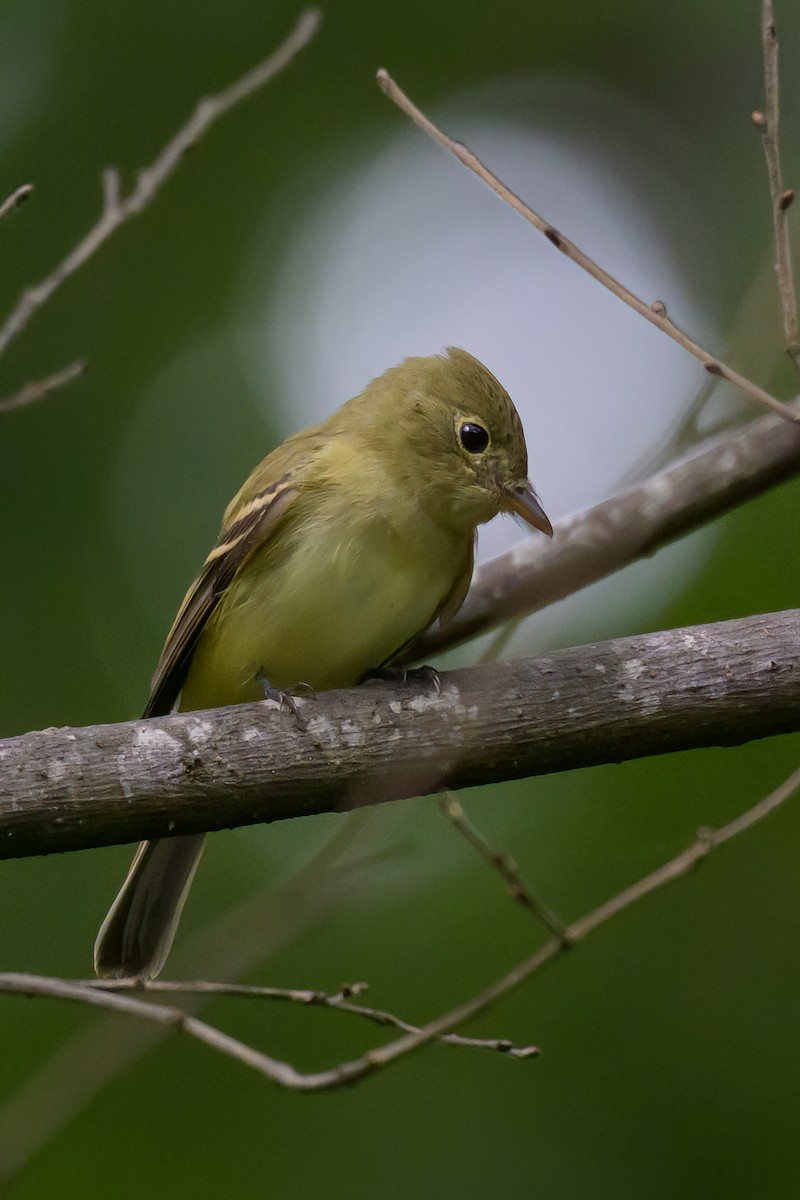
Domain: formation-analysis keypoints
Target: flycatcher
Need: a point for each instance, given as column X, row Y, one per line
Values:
column 346, row 543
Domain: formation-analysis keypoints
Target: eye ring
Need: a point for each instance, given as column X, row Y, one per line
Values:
column 473, row 437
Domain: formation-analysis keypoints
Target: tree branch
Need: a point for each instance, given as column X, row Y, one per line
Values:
column 655, row 313
column 117, row 210
column 283, row 1073
column 505, row 866
column 37, row 388
column 593, row 544
column 15, row 200
column 98, row 994
column 727, row 683
column 235, row 943
column 341, row 1001
column 707, row 841
column 767, row 124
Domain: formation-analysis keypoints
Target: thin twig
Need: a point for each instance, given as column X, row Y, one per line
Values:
column 707, row 841
column 654, row 313
column 113, row 997
column 341, row 1000
column 235, row 943
column 309, row 997
column 767, row 124
column 117, row 210
column 508, row 870
column 63, row 989
column 40, row 387
column 288, row 1076
column 15, row 200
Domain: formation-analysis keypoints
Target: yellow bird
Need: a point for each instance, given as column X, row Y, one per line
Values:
column 346, row 543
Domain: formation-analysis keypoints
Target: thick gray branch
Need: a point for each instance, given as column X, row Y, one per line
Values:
column 593, row 544
column 66, row 789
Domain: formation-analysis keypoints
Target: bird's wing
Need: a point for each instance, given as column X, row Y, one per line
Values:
column 448, row 607
column 458, row 592
column 250, row 519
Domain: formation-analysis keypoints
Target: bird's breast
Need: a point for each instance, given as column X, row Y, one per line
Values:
column 332, row 599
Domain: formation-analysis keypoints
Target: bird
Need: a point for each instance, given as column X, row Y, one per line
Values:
column 346, row 542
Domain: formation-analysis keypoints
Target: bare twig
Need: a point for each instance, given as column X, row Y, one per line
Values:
column 283, row 1073
column 724, row 683
column 767, row 124
column 114, row 999
column 341, row 1000
column 654, row 313
column 117, row 210
column 40, row 387
column 235, row 943
column 15, row 200
column 175, row 1018
column 707, row 841
column 508, row 870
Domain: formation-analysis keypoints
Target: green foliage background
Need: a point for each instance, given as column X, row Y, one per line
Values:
column 671, row 1038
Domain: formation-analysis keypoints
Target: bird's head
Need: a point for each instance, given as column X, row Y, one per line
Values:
column 455, row 439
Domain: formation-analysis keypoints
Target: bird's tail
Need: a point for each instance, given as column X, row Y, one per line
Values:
column 136, row 936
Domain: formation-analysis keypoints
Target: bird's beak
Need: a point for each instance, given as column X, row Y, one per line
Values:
column 523, row 501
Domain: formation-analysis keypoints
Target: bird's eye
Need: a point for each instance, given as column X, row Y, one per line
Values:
column 474, row 438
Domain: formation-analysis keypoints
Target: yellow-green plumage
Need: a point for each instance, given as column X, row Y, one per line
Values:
column 343, row 545
column 335, row 596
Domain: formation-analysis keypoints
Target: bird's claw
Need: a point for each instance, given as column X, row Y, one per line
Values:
column 424, row 674
column 286, row 699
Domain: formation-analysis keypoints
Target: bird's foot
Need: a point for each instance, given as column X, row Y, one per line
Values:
column 420, row 675
column 286, row 699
